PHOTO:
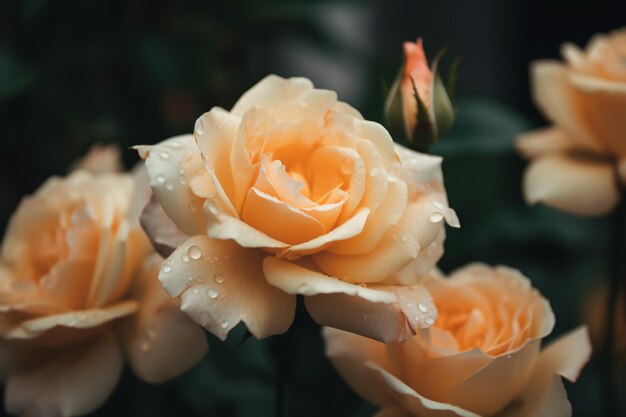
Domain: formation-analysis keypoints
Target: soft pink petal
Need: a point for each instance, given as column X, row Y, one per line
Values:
column 74, row 381
column 222, row 283
column 386, row 313
column 160, row 341
column 586, row 187
column 349, row 353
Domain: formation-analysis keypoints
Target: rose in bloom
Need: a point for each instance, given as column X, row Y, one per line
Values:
column 482, row 357
column 293, row 192
column 575, row 162
column 418, row 108
column 79, row 293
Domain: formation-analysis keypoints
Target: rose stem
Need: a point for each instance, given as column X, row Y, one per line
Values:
column 616, row 243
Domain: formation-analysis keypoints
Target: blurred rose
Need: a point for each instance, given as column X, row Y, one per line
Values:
column 481, row 358
column 79, row 291
column 418, row 108
column 575, row 162
column 293, row 192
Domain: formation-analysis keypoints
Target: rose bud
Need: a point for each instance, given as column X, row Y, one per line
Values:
column 418, row 108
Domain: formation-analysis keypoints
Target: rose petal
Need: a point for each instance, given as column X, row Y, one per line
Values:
column 349, row 352
column 544, row 394
column 385, row 313
column 101, row 159
column 414, row 402
column 164, row 235
column 544, row 141
column 581, row 186
column 605, row 103
column 401, row 245
column 83, row 319
column 555, row 96
column 271, row 91
column 222, row 284
column 75, row 381
column 160, row 341
column 167, row 163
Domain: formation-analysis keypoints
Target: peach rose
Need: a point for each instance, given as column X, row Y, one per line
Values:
column 79, row 292
column 418, row 107
column 481, row 358
column 293, row 192
column 575, row 162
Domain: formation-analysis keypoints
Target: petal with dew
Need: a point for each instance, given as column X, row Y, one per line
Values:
column 218, row 290
column 385, row 313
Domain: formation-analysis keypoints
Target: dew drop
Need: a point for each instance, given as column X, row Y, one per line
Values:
column 169, row 187
column 422, row 307
column 160, row 179
column 194, row 252
column 438, row 205
column 404, row 238
column 224, row 324
column 175, row 144
column 211, row 206
column 219, row 278
column 346, row 166
column 189, row 278
column 212, row 294
column 374, row 172
column 430, row 321
column 185, row 258
column 215, row 258
column 302, row 288
column 436, row 217
column 195, row 291
column 199, row 128
column 165, row 154
column 166, row 268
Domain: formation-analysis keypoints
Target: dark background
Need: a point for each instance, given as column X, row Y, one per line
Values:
column 135, row 72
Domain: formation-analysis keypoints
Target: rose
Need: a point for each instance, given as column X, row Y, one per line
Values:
column 293, row 192
column 418, row 108
column 79, row 291
column 574, row 162
column 481, row 358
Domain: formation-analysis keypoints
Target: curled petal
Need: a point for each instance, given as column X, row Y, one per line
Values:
column 164, row 235
column 72, row 382
column 271, row 91
column 171, row 165
column 585, row 187
column 218, row 290
column 385, row 313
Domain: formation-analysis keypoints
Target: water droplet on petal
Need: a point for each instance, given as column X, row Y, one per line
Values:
column 185, row 258
column 211, row 206
column 303, row 288
column 194, row 252
column 160, row 179
column 219, row 278
column 212, row 294
column 224, row 324
column 175, row 144
column 195, row 291
column 436, row 217
column 169, row 186
column 189, row 278
column 438, row 205
column 404, row 238
column 215, row 258
column 346, row 166
column 374, row 172
column 165, row 154
column 430, row 321
column 166, row 268
column 423, row 307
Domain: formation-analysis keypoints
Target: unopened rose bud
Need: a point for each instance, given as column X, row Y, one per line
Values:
column 418, row 108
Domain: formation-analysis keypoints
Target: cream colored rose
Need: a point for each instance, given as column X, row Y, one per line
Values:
column 79, row 292
column 293, row 192
column 575, row 162
column 481, row 358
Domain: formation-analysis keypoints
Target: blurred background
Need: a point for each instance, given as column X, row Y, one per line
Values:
column 135, row 72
